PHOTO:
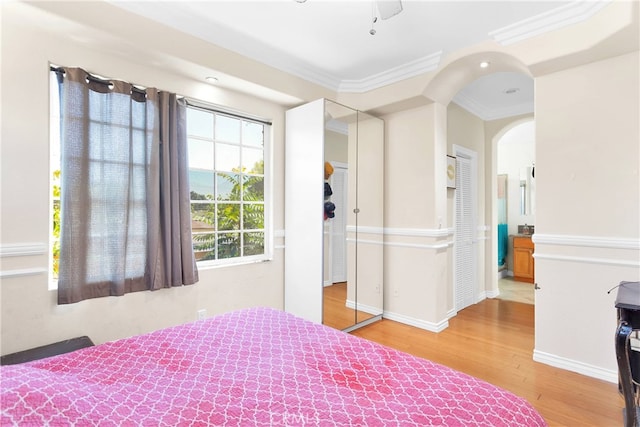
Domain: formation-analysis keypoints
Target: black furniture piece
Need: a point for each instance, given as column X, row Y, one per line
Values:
column 46, row 351
column 628, row 306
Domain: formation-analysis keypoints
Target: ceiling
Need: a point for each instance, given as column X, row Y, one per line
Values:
column 330, row 42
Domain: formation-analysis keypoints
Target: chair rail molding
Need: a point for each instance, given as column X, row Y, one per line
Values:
column 586, row 241
column 5, row 274
column 23, row 249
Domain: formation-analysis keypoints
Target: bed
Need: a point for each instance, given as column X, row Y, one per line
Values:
column 252, row 367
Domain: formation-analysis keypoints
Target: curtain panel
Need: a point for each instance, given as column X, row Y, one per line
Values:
column 125, row 222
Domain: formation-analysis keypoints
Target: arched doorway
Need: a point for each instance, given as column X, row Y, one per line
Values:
column 515, row 206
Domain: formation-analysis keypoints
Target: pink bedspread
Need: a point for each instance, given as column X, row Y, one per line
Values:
column 254, row 367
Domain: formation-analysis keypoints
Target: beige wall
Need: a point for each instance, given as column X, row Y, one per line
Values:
column 588, row 198
column 416, row 274
column 30, row 314
column 335, row 147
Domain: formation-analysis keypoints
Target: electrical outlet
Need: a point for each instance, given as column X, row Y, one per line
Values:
column 202, row 314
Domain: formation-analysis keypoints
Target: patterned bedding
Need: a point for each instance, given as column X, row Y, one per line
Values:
column 253, row 367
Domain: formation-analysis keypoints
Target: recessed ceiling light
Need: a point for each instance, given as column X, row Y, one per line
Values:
column 211, row 79
column 484, row 64
column 512, row 90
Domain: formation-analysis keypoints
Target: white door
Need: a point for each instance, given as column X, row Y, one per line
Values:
column 465, row 274
column 339, row 183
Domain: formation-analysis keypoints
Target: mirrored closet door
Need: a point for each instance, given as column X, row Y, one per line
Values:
column 334, row 258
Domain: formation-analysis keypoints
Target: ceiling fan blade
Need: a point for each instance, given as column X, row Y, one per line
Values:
column 388, row 8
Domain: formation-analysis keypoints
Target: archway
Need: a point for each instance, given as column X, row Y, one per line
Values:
column 458, row 72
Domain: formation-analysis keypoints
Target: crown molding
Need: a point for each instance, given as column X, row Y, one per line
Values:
column 560, row 17
column 487, row 113
column 393, row 75
column 337, row 126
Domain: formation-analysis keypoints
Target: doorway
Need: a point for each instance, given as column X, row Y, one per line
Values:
column 515, row 166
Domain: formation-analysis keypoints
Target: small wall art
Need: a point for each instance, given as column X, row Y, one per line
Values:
column 451, row 172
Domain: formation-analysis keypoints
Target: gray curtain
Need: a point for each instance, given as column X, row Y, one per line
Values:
column 125, row 212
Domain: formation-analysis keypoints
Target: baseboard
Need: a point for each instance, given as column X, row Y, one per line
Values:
column 494, row 293
column 369, row 309
column 575, row 366
column 422, row 324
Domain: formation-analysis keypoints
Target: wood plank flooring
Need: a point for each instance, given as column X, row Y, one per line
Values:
column 334, row 311
column 493, row 340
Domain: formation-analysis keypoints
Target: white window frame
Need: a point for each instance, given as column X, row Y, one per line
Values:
column 268, row 201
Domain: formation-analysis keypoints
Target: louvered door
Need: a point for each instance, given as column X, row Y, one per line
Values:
column 465, row 248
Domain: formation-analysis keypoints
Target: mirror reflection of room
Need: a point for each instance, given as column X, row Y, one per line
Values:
column 336, row 310
column 352, row 250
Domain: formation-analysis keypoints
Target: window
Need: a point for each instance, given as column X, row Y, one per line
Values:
column 228, row 158
column 229, row 200
column 54, row 170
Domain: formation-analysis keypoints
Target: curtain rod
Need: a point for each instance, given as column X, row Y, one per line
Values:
column 191, row 102
column 97, row 79
column 223, row 110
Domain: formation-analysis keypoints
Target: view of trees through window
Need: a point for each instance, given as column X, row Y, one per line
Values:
column 226, row 173
column 227, row 181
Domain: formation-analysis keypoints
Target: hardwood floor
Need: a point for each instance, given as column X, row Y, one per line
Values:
column 493, row 340
column 334, row 311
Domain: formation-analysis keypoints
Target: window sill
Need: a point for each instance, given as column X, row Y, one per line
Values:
column 212, row 265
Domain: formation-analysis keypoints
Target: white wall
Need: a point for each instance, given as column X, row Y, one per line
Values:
column 588, row 209
column 30, row 314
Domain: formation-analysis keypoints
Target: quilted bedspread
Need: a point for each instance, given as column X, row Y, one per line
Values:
column 253, row 367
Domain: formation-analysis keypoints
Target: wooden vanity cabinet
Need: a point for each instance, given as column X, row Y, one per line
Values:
column 523, row 263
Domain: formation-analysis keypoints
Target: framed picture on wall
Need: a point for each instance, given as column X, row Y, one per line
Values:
column 451, row 172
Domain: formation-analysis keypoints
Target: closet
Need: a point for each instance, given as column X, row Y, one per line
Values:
column 334, row 195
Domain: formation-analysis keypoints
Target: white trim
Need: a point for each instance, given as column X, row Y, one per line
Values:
column 365, row 229
column 493, row 293
column 487, row 113
column 369, row 309
column 587, row 260
column 422, row 324
column 401, row 72
column 575, row 366
column 22, row 272
column 364, row 241
column 587, row 241
column 562, row 16
column 419, row 232
column 23, row 249
column 438, row 246
column 338, row 127
column 276, row 235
